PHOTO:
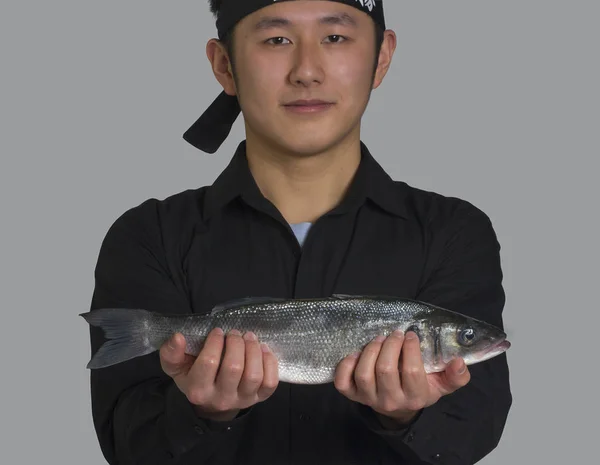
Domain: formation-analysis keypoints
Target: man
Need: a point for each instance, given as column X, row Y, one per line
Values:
column 303, row 210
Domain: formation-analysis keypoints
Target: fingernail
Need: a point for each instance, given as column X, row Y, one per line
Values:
column 264, row 347
column 380, row 338
column 250, row 336
column 218, row 331
column 398, row 333
column 235, row 332
column 463, row 368
column 411, row 335
column 355, row 354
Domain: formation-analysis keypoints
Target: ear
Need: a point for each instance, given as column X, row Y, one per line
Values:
column 385, row 57
column 221, row 65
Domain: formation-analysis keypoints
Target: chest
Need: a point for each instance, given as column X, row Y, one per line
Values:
column 360, row 254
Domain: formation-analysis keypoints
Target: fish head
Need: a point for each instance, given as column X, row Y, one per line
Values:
column 456, row 336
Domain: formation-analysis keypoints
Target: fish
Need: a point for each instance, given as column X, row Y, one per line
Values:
column 309, row 336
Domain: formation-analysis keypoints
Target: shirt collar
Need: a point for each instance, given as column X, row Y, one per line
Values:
column 370, row 182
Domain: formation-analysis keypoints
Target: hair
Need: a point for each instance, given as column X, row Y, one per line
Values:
column 227, row 41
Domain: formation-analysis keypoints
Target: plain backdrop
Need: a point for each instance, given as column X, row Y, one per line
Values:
column 495, row 102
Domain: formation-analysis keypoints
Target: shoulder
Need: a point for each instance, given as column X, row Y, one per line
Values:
column 160, row 221
column 442, row 214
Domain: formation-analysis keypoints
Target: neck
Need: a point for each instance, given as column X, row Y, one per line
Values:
column 303, row 187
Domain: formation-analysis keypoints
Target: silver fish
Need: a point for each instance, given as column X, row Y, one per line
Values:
column 308, row 336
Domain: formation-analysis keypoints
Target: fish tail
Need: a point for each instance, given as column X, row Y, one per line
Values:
column 127, row 333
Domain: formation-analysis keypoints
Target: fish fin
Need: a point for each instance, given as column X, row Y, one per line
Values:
column 126, row 332
column 343, row 296
column 232, row 304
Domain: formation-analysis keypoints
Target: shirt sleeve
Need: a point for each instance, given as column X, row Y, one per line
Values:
column 465, row 426
column 139, row 414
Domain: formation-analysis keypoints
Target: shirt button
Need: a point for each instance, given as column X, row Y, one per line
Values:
column 437, row 457
column 199, row 429
column 410, row 437
column 229, row 428
column 304, row 417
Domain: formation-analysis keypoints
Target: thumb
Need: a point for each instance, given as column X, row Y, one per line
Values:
column 455, row 376
column 172, row 355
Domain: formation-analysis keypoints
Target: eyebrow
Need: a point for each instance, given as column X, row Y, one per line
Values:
column 270, row 22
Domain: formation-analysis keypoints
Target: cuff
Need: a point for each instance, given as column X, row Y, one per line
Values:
column 371, row 420
column 415, row 442
column 185, row 430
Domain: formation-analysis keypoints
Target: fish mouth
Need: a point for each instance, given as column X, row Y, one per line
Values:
column 502, row 346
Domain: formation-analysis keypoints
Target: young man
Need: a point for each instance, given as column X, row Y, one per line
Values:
column 303, row 210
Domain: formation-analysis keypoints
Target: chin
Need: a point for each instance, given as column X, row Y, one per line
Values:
column 309, row 144
column 306, row 149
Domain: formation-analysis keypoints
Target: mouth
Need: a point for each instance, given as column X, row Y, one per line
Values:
column 498, row 348
column 308, row 106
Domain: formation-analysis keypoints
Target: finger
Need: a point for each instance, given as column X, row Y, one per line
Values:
column 386, row 368
column 253, row 367
column 270, row 373
column 206, row 366
column 364, row 374
column 173, row 359
column 344, row 376
column 232, row 366
column 455, row 376
column 415, row 386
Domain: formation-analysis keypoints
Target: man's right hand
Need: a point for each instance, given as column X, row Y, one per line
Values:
column 247, row 375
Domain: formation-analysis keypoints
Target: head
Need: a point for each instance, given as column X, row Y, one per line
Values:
column 285, row 52
column 450, row 336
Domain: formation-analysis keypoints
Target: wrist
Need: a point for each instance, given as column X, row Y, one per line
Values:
column 216, row 416
column 397, row 420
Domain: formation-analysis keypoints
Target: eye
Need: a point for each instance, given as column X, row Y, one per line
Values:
column 274, row 38
column 338, row 36
column 466, row 336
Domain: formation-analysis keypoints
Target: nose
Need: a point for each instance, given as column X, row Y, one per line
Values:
column 307, row 65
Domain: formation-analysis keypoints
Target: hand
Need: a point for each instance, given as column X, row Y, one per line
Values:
column 389, row 377
column 248, row 373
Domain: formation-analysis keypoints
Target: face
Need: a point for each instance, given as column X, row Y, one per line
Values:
column 303, row 50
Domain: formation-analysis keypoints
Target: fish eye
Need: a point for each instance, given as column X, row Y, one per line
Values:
column 466, row 336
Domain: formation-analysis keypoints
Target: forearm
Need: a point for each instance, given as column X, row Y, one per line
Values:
column 138, row 429
column 459, row 429
column 153, row 423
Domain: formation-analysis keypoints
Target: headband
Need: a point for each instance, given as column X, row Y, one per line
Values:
column 212, row 128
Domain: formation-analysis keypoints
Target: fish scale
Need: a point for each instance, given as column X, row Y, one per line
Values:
column 309, row 337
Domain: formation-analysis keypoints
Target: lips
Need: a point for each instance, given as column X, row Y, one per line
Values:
column 308, row 108
column 307, row 103
column 499, row 347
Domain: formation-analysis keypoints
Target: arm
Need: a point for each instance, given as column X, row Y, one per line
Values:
column 465, row 426
column 139, row 413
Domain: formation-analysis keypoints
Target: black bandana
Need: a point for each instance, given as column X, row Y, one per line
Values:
column 213, row 126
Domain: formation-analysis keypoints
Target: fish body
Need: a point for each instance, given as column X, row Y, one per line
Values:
column 309, row 337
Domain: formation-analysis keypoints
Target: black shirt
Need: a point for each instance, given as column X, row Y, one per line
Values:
column 206, row 246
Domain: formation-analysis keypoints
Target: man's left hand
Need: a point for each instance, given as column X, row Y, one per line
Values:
column 388, row 375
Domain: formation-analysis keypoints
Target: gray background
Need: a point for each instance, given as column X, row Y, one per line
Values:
column 492, row 101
